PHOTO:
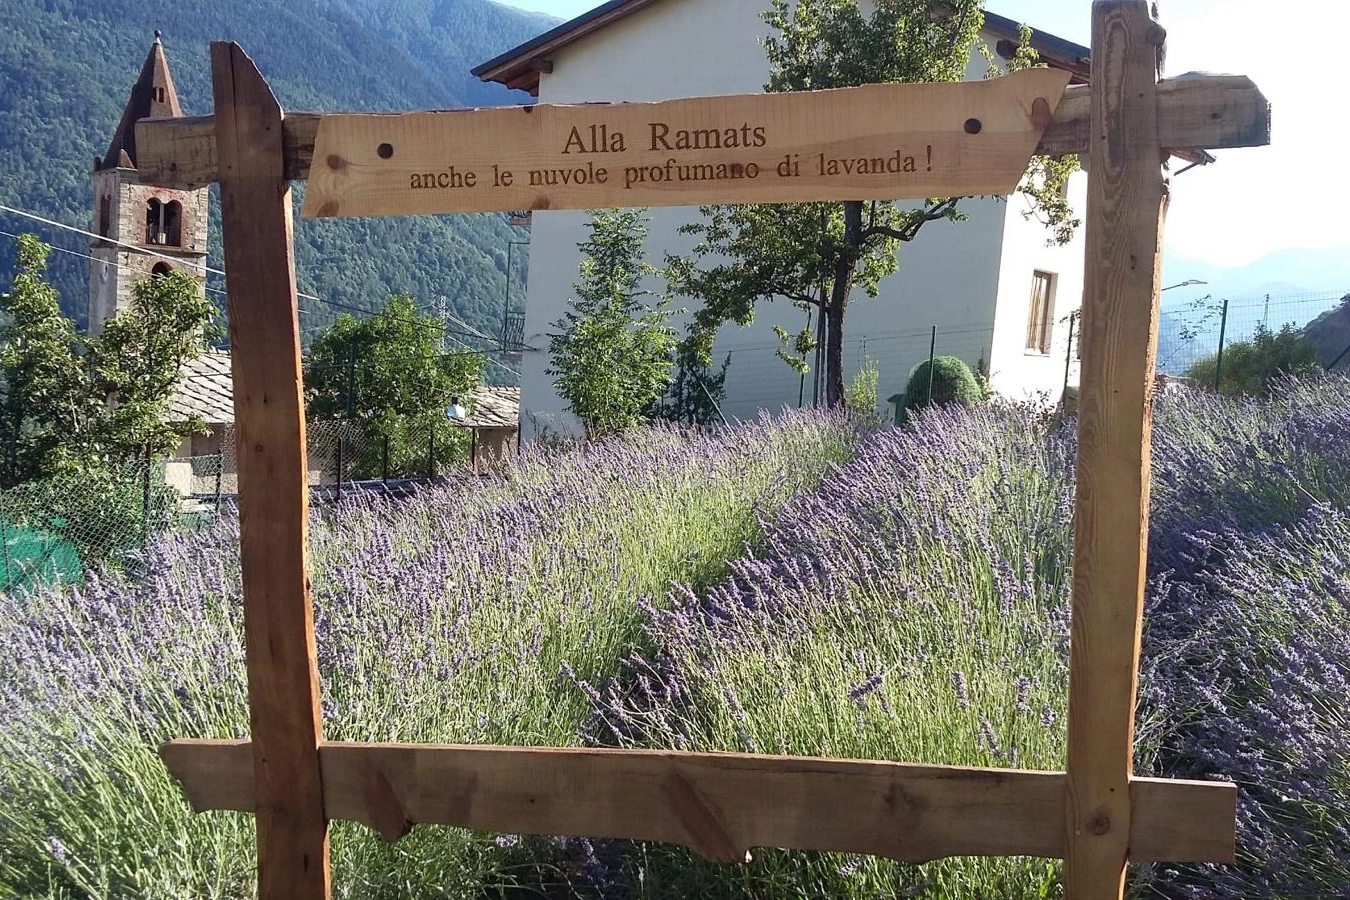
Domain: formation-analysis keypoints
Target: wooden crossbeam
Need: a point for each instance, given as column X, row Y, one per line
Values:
column 1200, row 112
column 720, row 804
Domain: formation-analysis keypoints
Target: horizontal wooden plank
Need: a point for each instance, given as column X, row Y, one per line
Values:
column 719, row 804
column 873, row 142
column 1195, row 112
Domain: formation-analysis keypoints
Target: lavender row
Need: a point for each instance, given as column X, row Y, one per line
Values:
column 915, row 607
column 444, row 618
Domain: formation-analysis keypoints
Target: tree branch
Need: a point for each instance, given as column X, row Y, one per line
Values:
column 911, row 230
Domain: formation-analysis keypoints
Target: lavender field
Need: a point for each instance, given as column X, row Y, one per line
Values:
column 787, row 588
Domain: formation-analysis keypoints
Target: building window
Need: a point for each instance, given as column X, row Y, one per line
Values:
column 164, row 223
column 104, row 215
column 160, row 270
column 173, row 223
column 1041, row 317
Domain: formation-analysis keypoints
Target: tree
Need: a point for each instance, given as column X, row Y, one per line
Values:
column 817, row 254
column 137, row 364
column 47, row 396
column 612, row 353
column 391, row 376
column 1250, row 367
column 73, row 404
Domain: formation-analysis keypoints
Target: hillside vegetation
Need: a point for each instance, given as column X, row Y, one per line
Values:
column 66, row 67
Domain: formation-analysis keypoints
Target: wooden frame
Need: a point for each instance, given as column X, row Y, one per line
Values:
column 1096, row 815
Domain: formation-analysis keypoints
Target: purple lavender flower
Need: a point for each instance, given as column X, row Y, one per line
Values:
column 961, row 689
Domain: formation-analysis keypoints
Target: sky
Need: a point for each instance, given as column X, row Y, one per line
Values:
column 1294, row 193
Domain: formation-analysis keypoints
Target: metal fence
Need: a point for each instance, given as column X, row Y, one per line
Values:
column 54, row 529
column 1200, row 331
column 757, row 378
column 340, row 452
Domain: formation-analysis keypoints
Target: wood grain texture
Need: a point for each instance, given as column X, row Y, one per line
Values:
column 874, row 142
column 1127, row 199
column 273, row 483
column 1194, row 112
column 720, row 804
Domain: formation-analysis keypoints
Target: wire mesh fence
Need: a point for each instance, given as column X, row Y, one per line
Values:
column 1192, row 338
column 759, row 378
column 54, row 529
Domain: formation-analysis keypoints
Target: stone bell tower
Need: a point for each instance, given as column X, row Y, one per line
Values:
column 171, row 224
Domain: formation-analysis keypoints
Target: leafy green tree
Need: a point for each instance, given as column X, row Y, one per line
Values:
column 1250, row 367
column 137, row 365
column 612, row 353
column 391, row 376
column 47, row 397
column 817, row 254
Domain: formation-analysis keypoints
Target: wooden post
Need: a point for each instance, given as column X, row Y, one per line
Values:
column 273, row 482
column 1127, row 200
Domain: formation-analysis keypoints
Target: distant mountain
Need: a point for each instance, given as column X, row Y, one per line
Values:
column 1289, row 287
column 1283, row 274
column 66, row 67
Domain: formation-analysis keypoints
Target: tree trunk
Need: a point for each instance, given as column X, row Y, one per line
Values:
column 834, row 356
column 844, row 269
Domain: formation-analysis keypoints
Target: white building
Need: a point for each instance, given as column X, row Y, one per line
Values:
column 997, row 293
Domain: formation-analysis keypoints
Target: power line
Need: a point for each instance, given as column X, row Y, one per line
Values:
column 99, row 237
column 211, row 271
column 96, row 259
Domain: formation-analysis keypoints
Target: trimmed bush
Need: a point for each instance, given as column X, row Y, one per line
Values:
column 953, row 382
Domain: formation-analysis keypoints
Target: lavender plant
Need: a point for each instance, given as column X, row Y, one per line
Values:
column 444, row 618
column 913, row 605
column 913, row 608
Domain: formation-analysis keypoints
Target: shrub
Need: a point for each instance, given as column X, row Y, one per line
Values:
column 1248, row 663
column 1250, row 367
column 860, row 397
column 953, row 382
column 915, row 608
column 912, row 608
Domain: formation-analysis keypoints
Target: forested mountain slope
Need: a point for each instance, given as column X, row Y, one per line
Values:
column 66, row 67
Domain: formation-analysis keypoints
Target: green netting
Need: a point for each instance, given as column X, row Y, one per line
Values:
column 33, row 558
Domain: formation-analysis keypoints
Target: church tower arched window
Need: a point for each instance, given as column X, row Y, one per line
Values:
column 164, row 223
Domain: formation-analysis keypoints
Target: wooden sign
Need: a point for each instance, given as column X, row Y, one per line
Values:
column 875, row 142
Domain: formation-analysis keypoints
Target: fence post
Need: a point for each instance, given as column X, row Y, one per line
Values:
column 384, row 466
column 1068, row 361
column 1127, row 201
column 145, row 496
column 351, row 380
column 342, row 443
column 932, row 354
column 1218, row 359
column 283, row 671
column 431, row 452
column 220, row 475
